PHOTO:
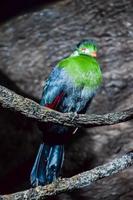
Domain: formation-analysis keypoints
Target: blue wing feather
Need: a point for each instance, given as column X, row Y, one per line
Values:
column 53, row 86
column 75, row 98
column 50, row 157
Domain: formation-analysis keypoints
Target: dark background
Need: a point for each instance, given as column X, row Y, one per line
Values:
column 12, row 8
column 30, row 44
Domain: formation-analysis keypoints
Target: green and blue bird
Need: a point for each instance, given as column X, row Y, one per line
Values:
column 70, row 87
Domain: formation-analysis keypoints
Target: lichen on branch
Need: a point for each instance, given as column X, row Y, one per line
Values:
column 78, row 181
column 31, row 109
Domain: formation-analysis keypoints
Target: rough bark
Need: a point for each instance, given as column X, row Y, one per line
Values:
column 30, row 109
column 78, row 181
column 30, row 45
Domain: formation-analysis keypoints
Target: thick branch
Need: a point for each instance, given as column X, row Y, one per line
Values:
column 75, row 182
column 31, row 109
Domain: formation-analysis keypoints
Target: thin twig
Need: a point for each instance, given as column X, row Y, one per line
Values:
column 75, row 182
column 31, row 109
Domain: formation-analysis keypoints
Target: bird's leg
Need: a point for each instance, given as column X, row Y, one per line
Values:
column 74, row 116
column 75, row 131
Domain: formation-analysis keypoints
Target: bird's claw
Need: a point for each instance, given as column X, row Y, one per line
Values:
column 74, row 115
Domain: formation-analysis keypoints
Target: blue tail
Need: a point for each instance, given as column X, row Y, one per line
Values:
column 47, row 165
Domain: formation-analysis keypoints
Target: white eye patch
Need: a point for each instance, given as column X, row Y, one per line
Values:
column 85, row 50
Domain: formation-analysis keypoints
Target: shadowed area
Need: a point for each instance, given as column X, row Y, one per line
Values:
column 30, row 45
column 12, row 8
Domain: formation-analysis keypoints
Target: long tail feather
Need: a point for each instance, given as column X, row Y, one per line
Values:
column 47, row 164
column 56, row 157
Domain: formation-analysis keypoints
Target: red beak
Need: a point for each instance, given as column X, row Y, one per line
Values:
column 94, row 54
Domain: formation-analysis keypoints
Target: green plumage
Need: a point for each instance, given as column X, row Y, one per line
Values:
column 84, row 70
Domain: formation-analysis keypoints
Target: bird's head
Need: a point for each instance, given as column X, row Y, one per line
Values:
column 87, row 47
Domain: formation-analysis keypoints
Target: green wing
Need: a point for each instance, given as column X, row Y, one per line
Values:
column 84, row 70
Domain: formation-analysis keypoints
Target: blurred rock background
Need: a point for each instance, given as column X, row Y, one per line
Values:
column 32, row 39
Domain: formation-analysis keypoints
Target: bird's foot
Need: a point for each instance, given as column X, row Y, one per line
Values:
column 74, row 115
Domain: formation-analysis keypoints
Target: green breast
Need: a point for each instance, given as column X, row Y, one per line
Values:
column 84, row 70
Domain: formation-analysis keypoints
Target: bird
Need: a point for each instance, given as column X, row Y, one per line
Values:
column 70, row 87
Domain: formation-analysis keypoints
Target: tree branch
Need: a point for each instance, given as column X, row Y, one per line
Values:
column 31, row 109
column 75, row 182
